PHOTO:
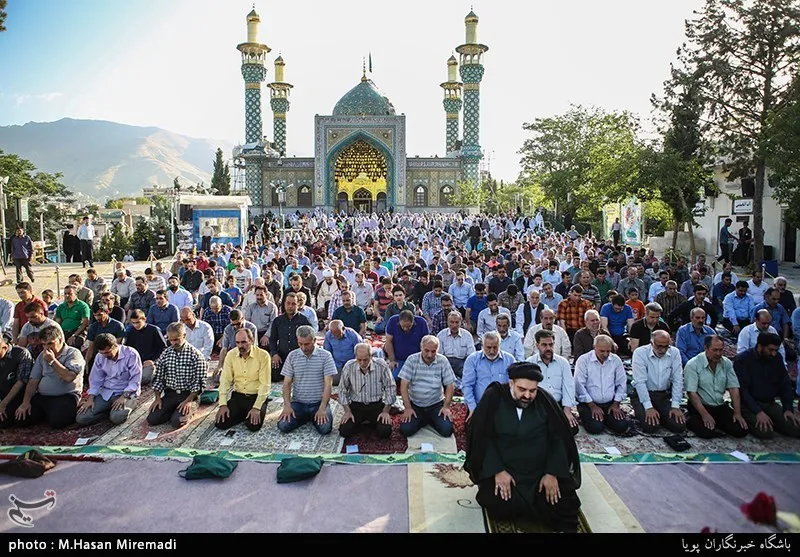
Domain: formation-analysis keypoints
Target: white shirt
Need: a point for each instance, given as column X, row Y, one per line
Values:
column 201, row 337
column 206, row 231
column 757, row 292
column 651, row 373
column 748, row 338
column 513, row 345
column 718, row 278
column 558, row 380
column 459, row 346
column 86, row 232
column 563, row 347
column 180, row 298
column 600, row 382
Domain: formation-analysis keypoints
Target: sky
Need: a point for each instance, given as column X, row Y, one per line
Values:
column 174, row 63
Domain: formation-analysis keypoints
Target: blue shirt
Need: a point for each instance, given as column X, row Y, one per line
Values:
column 343, row 349
column 778, row 313
column 224, row 297
column 406, row 343
column 477, row 305
column 461, row 294
column 689, row 342
column 161, row 318
column 553, row 302
column 617, row 320
column 735, row 308
column 479, row 372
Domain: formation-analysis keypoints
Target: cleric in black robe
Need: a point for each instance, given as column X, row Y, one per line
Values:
column 521, row 453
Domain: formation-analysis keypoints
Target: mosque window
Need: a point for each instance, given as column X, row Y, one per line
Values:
column 421, row 196
column 360, row 157
column 446, row 196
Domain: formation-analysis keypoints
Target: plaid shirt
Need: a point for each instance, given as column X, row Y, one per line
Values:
column 180, row 370
column 219, row 273
column 572, row 313
column 431, row 304
column 439, row 321
column 218, row 321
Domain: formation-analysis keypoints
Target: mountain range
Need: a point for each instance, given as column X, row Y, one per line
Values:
column 101, row 159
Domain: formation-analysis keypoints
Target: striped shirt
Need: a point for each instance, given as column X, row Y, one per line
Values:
column 366, row 388
column 426, row 381
column 308, row 374
column 459, row 346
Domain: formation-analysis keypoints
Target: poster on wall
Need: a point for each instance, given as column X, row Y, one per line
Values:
column 632, row 223
column 223, row 227
column 610, row 214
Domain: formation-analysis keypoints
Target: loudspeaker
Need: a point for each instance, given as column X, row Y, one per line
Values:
column 185, row 213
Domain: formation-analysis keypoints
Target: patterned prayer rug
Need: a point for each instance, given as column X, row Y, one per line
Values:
column 303, row 440
column 526, row 526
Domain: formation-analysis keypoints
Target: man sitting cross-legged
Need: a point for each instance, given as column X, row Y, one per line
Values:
column 367, row 391
column 763, row 378
column 557, row 376
column 308, row 380
column 423, row 378
column 600, row 385
column 54, row 388
column 248, row 371
column 658, row 380
column 114, row 383
column 521, row 453
column 180, row 377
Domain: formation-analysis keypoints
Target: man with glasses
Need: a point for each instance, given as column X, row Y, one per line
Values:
column 114, row 383
column 180, row 377
column 658, row 384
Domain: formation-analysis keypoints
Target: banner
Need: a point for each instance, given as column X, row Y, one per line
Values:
column 610, row 214
column 632, row 223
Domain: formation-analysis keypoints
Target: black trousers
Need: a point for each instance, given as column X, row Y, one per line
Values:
column 596, row 426
column 205, row 245
column 662, row 402
column 11, row 409
column 528, row 502
column 779, row 422
column 57, row 411
column 239, row 405
column 616, row 233
column 729, row 325
column 723, row 418
column 19, row 264
column 276, row 371
column 623, row 349
column 366, row 414
column 87, row 252
column 725, row 255
column 169, row 412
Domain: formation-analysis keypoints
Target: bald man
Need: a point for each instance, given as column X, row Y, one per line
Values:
column 367, row 391
column 658, row 384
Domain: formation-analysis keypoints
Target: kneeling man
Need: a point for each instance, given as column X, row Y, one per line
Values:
column 521, row 453
column 367, row 391
column 248, row 371
column 114, row 383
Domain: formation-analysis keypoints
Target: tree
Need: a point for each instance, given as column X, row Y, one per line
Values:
column 221, row 180
column 467, row 195
column 783, row 154
column 114, row 203
column 115, row 244
column 678, row 168
column 2, row 15
column 45, row 192
column 745, row 52
column 583, row 159
column 143, row 201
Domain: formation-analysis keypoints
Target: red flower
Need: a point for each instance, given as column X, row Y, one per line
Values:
column 705, row 530
column 761, row 510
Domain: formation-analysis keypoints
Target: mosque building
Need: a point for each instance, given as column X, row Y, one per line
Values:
column 359, row 160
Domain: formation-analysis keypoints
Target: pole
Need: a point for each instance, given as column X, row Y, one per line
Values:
column 41, row 228
column 3, row 184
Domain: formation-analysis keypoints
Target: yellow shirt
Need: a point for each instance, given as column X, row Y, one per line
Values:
column 249, row 376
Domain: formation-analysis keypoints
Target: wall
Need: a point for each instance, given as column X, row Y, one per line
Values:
column 720, row 207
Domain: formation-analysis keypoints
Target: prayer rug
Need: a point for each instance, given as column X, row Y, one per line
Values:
column 525, row 526
column 693, row 497
column 303, row 440
column 235, row 504
column 441, row 499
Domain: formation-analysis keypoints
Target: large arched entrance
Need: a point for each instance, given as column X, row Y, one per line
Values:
column 360, row 173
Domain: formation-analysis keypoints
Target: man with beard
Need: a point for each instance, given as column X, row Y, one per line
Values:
column 521, row 453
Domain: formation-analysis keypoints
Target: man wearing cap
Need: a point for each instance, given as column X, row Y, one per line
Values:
column 521, row 453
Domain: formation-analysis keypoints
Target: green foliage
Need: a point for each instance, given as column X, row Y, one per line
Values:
column 143, row 201
column 41, row 188
column 466, row 194
column 117, row 243
column 525, row 192
column 161, row 210
column 657, row 217
column 221, row 179
column 2, row 15
column 582, row 159
column 114, row 203
column 745, row 53
column 783, row 154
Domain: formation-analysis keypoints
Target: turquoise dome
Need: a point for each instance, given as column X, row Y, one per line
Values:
column 363, row 99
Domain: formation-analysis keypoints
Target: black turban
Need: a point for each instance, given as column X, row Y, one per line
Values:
column 525, row 370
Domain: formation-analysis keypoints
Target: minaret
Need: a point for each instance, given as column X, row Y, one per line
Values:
column 253, row 72
column 452, row 103
column 279, row 102
column 471, row 74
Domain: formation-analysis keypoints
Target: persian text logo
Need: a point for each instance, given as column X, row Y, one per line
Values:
column 17, row 513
